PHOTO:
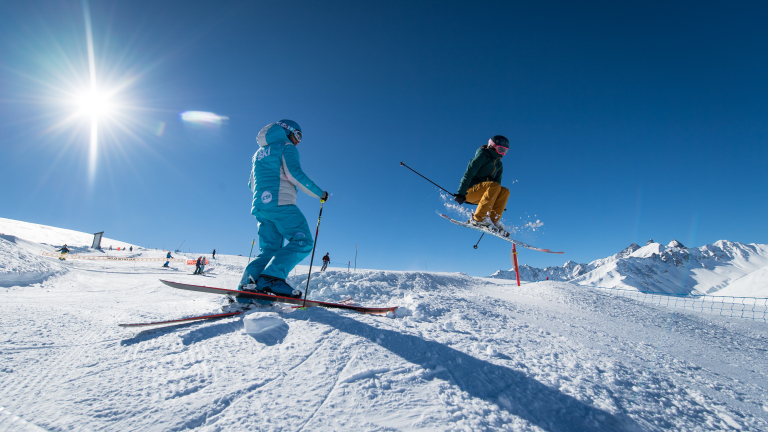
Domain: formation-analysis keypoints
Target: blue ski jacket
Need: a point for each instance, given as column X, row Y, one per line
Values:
column 276, row 172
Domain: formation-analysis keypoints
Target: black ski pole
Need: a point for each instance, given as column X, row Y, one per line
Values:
column 317, row 231
column 478, row 241
column 449, row 193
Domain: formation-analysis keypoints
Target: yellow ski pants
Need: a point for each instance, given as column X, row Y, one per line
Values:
column 491, row 198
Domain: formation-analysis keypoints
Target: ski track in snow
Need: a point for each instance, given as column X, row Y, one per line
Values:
column 463, row 353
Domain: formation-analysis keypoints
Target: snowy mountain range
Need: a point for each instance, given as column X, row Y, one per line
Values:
column 721, row 268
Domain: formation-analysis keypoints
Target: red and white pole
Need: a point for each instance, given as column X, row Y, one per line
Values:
column 514, row 260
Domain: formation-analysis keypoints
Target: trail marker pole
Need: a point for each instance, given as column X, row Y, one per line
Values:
column 514, row 260
column 249, row 253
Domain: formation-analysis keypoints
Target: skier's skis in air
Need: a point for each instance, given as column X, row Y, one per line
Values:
column 497, row 234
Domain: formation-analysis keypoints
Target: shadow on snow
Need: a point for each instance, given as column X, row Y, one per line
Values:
column 514, row 391
column 205, row 332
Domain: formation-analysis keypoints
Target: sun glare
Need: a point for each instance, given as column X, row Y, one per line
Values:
column 93, row 104
column 88, row 107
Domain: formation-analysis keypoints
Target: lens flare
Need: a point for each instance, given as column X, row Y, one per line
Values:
column 160, row 129
column 203, row 118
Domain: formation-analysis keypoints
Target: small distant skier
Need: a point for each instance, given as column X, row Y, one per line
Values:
column 326, row 261
column 202, row 265
column 213, row 255
column 110, row 247
column 197, row 265
column 275, row 177
column 481, row 185
column 168, row 258
column 64, row 251
column 131, row 248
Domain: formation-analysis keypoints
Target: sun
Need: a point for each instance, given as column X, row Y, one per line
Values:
column 94, row 103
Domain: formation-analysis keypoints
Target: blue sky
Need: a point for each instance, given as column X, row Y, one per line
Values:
column 627, row 121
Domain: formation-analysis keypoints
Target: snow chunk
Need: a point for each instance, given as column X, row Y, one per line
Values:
column 269, row 329
column 368, row 373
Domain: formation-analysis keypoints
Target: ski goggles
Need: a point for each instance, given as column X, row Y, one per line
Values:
column 499, row 149
column 291, row 129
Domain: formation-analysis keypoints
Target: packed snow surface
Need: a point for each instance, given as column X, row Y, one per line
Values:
column 461, row 353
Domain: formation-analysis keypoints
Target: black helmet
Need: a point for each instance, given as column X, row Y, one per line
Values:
column 500, row 140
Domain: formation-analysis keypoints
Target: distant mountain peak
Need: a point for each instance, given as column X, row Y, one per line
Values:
column 675, row 244
column 627, row 251
column 649, row 242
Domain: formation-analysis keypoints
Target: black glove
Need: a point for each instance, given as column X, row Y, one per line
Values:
column 324, row 197
column 460, row 198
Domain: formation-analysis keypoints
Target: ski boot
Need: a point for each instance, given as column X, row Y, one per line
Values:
column 276, row 286
column 251, row 287
column 500, row 228
column 484, row 224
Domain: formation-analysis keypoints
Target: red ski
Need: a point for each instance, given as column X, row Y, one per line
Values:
column 279, row 299
column 201, row 317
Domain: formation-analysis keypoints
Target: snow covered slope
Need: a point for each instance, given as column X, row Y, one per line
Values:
column 54, row 236
column 22, row 242
column 673, row 269
column 462, row 353
column 754, row 284
column 21, row 263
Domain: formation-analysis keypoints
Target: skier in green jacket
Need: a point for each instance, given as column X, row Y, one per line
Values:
column 481, row 185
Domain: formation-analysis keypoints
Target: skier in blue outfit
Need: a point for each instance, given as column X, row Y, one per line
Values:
column 275, row 177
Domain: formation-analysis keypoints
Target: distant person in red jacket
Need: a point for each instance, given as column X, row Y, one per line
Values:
column 326, row 261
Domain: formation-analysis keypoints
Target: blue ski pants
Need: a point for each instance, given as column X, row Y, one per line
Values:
column 277, row 224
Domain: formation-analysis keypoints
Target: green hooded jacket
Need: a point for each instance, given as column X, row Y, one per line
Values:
column 485, row 166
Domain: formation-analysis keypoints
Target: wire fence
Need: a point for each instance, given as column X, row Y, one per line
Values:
column 753, row 308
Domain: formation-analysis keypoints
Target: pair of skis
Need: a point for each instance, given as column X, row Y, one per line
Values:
column 496, row 234
column 257, row 296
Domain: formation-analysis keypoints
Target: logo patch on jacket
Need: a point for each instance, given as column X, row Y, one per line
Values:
column 262, row 153
column 266, row 197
